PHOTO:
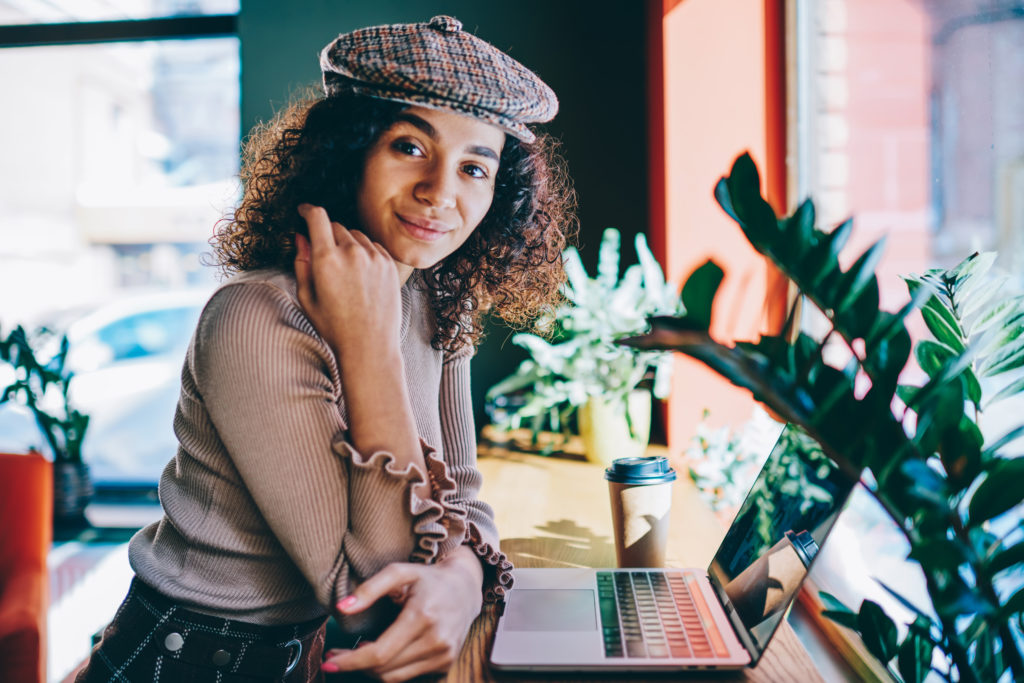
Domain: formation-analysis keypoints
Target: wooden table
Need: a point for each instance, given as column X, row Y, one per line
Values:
column 553, row 512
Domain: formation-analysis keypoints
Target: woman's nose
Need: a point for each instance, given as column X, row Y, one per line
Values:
column 436, row 189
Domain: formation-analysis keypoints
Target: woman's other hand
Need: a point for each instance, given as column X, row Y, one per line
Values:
column 347, row 284
column 439, row 604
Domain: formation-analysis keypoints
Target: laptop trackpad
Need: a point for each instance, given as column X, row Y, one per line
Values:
column 551, row 610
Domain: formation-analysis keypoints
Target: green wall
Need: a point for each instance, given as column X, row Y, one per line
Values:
column 591, row 53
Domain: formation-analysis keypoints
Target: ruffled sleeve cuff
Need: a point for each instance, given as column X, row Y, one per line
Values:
column 437, row 525
column 497, row 568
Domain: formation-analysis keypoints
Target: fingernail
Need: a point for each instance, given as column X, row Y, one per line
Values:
column 329, row 667
column 347, row 602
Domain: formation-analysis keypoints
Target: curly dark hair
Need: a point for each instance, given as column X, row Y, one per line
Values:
column 314, row 151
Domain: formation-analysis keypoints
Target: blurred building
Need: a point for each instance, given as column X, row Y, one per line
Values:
column 120, row 158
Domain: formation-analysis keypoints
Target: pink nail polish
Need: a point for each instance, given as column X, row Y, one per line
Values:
column 329, row 667
column 347, row 602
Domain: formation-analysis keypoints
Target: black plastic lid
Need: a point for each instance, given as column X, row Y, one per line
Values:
column 804, row 544
column 650, row 469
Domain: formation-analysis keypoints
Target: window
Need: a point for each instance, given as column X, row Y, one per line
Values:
column 910, row 119
column 121, row 153
column 25, row 12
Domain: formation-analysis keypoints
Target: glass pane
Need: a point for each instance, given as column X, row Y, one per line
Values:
column 14, row 12
column 912, row 122
column 118, row 162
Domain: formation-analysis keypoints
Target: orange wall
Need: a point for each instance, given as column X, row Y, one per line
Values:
column 714, row 98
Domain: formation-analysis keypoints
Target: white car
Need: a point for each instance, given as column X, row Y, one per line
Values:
column 126, row 357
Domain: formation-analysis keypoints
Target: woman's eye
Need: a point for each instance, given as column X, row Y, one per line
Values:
column 407, row 147
column 474, row 171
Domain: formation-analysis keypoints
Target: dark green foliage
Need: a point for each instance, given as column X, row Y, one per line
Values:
column 938, row 481
column 63, row 427
column 877, row 631
column 914, row 658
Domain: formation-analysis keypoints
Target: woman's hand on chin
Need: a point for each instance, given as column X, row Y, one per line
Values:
column 439, row 603
column 347, row 285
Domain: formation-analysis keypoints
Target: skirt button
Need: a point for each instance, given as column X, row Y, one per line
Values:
column 221, row 658
column 173, row 642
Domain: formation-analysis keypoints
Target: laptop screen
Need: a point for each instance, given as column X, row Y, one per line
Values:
column 777, row 532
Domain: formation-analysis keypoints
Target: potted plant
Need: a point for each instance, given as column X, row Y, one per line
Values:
column 580, row 370
column 43, row 388
column 723, row 462
column 946, row 486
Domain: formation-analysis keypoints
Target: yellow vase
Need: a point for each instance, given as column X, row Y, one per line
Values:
column 605, row 432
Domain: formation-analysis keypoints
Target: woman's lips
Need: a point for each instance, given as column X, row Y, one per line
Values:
column 423, row 228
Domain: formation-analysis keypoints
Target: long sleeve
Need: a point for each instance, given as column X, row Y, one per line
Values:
column 270, row 389
column 270, row 515
column 459, row 439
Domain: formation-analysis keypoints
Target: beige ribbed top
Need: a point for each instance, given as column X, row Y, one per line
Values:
column 269, row 515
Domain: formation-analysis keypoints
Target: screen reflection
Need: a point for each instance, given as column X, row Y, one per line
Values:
column 788, row 513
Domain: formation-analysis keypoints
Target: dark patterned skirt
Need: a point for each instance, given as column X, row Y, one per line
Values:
column 154, row 639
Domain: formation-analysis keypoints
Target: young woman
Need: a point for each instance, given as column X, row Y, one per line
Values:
column 327, row 448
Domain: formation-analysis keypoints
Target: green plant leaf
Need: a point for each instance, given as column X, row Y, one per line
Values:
column 944, row 327
column 959, row 448
column 974, row 266
column 956, row 598
column 699, row 292
column 1011, row 389
column 741, row 192
column 938, row 553
column 860, row 275
column 831, row 602
column 861, row 316
column 1006, row 558
column 906, row 393
column 1010, row 357
column 932, row 356
column 973, row 386
column 943, row 408
column 877, row 631
column 1002, row 490
column 889, row 325
column 799, row 228
column 914, row 659
column 921, row 482
column 842, row 617
column 977, row 626
column 1015, row 605
column 838, row 238
column 886, row 359
column 997, row 313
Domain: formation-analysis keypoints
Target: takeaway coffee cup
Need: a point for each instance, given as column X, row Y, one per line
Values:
column 766, row 586
column 641, row 498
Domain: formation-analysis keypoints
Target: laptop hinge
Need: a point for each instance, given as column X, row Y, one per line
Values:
column 737, row 624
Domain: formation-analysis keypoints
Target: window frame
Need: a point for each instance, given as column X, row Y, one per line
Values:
column 117, row 31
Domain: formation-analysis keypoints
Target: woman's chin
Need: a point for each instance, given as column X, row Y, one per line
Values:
column 416, row 261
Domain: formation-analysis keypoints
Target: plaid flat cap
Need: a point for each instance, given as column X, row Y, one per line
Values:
column 438, row 65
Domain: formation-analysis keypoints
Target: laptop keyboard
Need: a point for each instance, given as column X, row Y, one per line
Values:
column 656, row 614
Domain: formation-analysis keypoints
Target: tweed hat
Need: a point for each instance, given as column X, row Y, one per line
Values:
column 438, row 65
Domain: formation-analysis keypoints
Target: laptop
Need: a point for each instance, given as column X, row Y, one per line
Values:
column 674, row 619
